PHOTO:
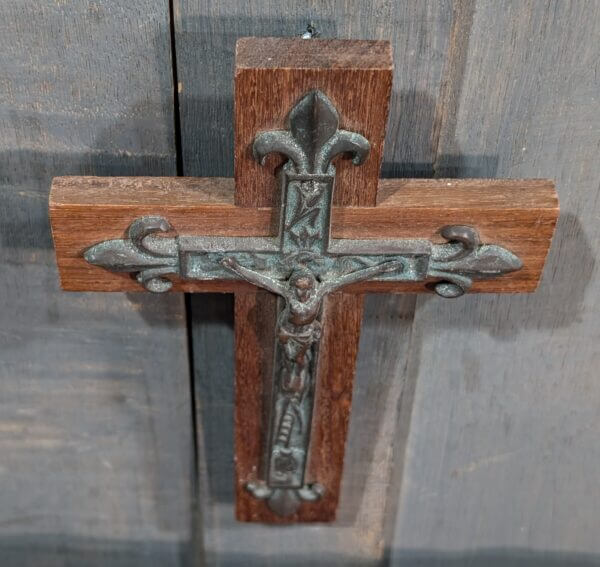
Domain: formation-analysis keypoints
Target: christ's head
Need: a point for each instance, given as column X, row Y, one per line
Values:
column 304, row 283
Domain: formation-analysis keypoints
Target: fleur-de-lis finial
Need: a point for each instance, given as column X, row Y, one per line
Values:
column 313, row 138
column 151, row 257
column 465, row 259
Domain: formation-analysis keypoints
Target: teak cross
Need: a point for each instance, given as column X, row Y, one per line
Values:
column 295, row 357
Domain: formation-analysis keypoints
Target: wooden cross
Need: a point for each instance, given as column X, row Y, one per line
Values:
column 298, row 266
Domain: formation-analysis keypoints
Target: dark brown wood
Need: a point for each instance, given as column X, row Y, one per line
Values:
column 255, row 313
column 342, row 318
column 271, row 74
column 518, row 214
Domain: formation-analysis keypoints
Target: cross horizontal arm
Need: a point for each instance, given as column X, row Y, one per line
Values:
column 519, row 215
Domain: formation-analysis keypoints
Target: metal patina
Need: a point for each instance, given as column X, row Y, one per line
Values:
column 301, row 265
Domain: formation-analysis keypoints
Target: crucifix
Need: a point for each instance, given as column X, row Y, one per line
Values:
column 299, row 236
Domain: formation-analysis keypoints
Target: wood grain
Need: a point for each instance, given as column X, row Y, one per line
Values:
column 255, row 316
column 271, row 76
column 342, row 318
column 518, row 214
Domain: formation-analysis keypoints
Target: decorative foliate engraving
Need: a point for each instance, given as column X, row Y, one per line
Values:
column 301, row 266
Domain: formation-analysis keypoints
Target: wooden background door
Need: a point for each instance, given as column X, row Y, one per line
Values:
column 475, row 424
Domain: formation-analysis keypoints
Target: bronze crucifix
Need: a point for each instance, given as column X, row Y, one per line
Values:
column 303, row 265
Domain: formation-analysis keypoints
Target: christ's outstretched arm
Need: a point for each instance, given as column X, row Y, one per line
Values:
column 254, row 277
column 361, row 275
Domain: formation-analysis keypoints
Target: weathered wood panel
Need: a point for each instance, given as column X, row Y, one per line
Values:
column 205, row 39
column 502, row 460
column 94, row 398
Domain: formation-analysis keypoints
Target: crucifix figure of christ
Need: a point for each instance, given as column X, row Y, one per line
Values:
column 316, row 267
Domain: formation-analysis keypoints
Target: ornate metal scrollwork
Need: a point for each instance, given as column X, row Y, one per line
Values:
column 465, row 259
column 143, row 253
column 302, row 265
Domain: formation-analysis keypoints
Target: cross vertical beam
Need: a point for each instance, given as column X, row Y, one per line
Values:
column 270, row 78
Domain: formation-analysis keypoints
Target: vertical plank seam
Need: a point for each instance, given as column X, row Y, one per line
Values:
column 176, row 113
column 195, row 552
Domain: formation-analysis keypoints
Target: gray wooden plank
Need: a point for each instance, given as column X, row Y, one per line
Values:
column 95, row 431
column 502, row 455
column 205, row 39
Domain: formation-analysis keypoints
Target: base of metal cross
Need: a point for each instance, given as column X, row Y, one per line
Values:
column 285, row 501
